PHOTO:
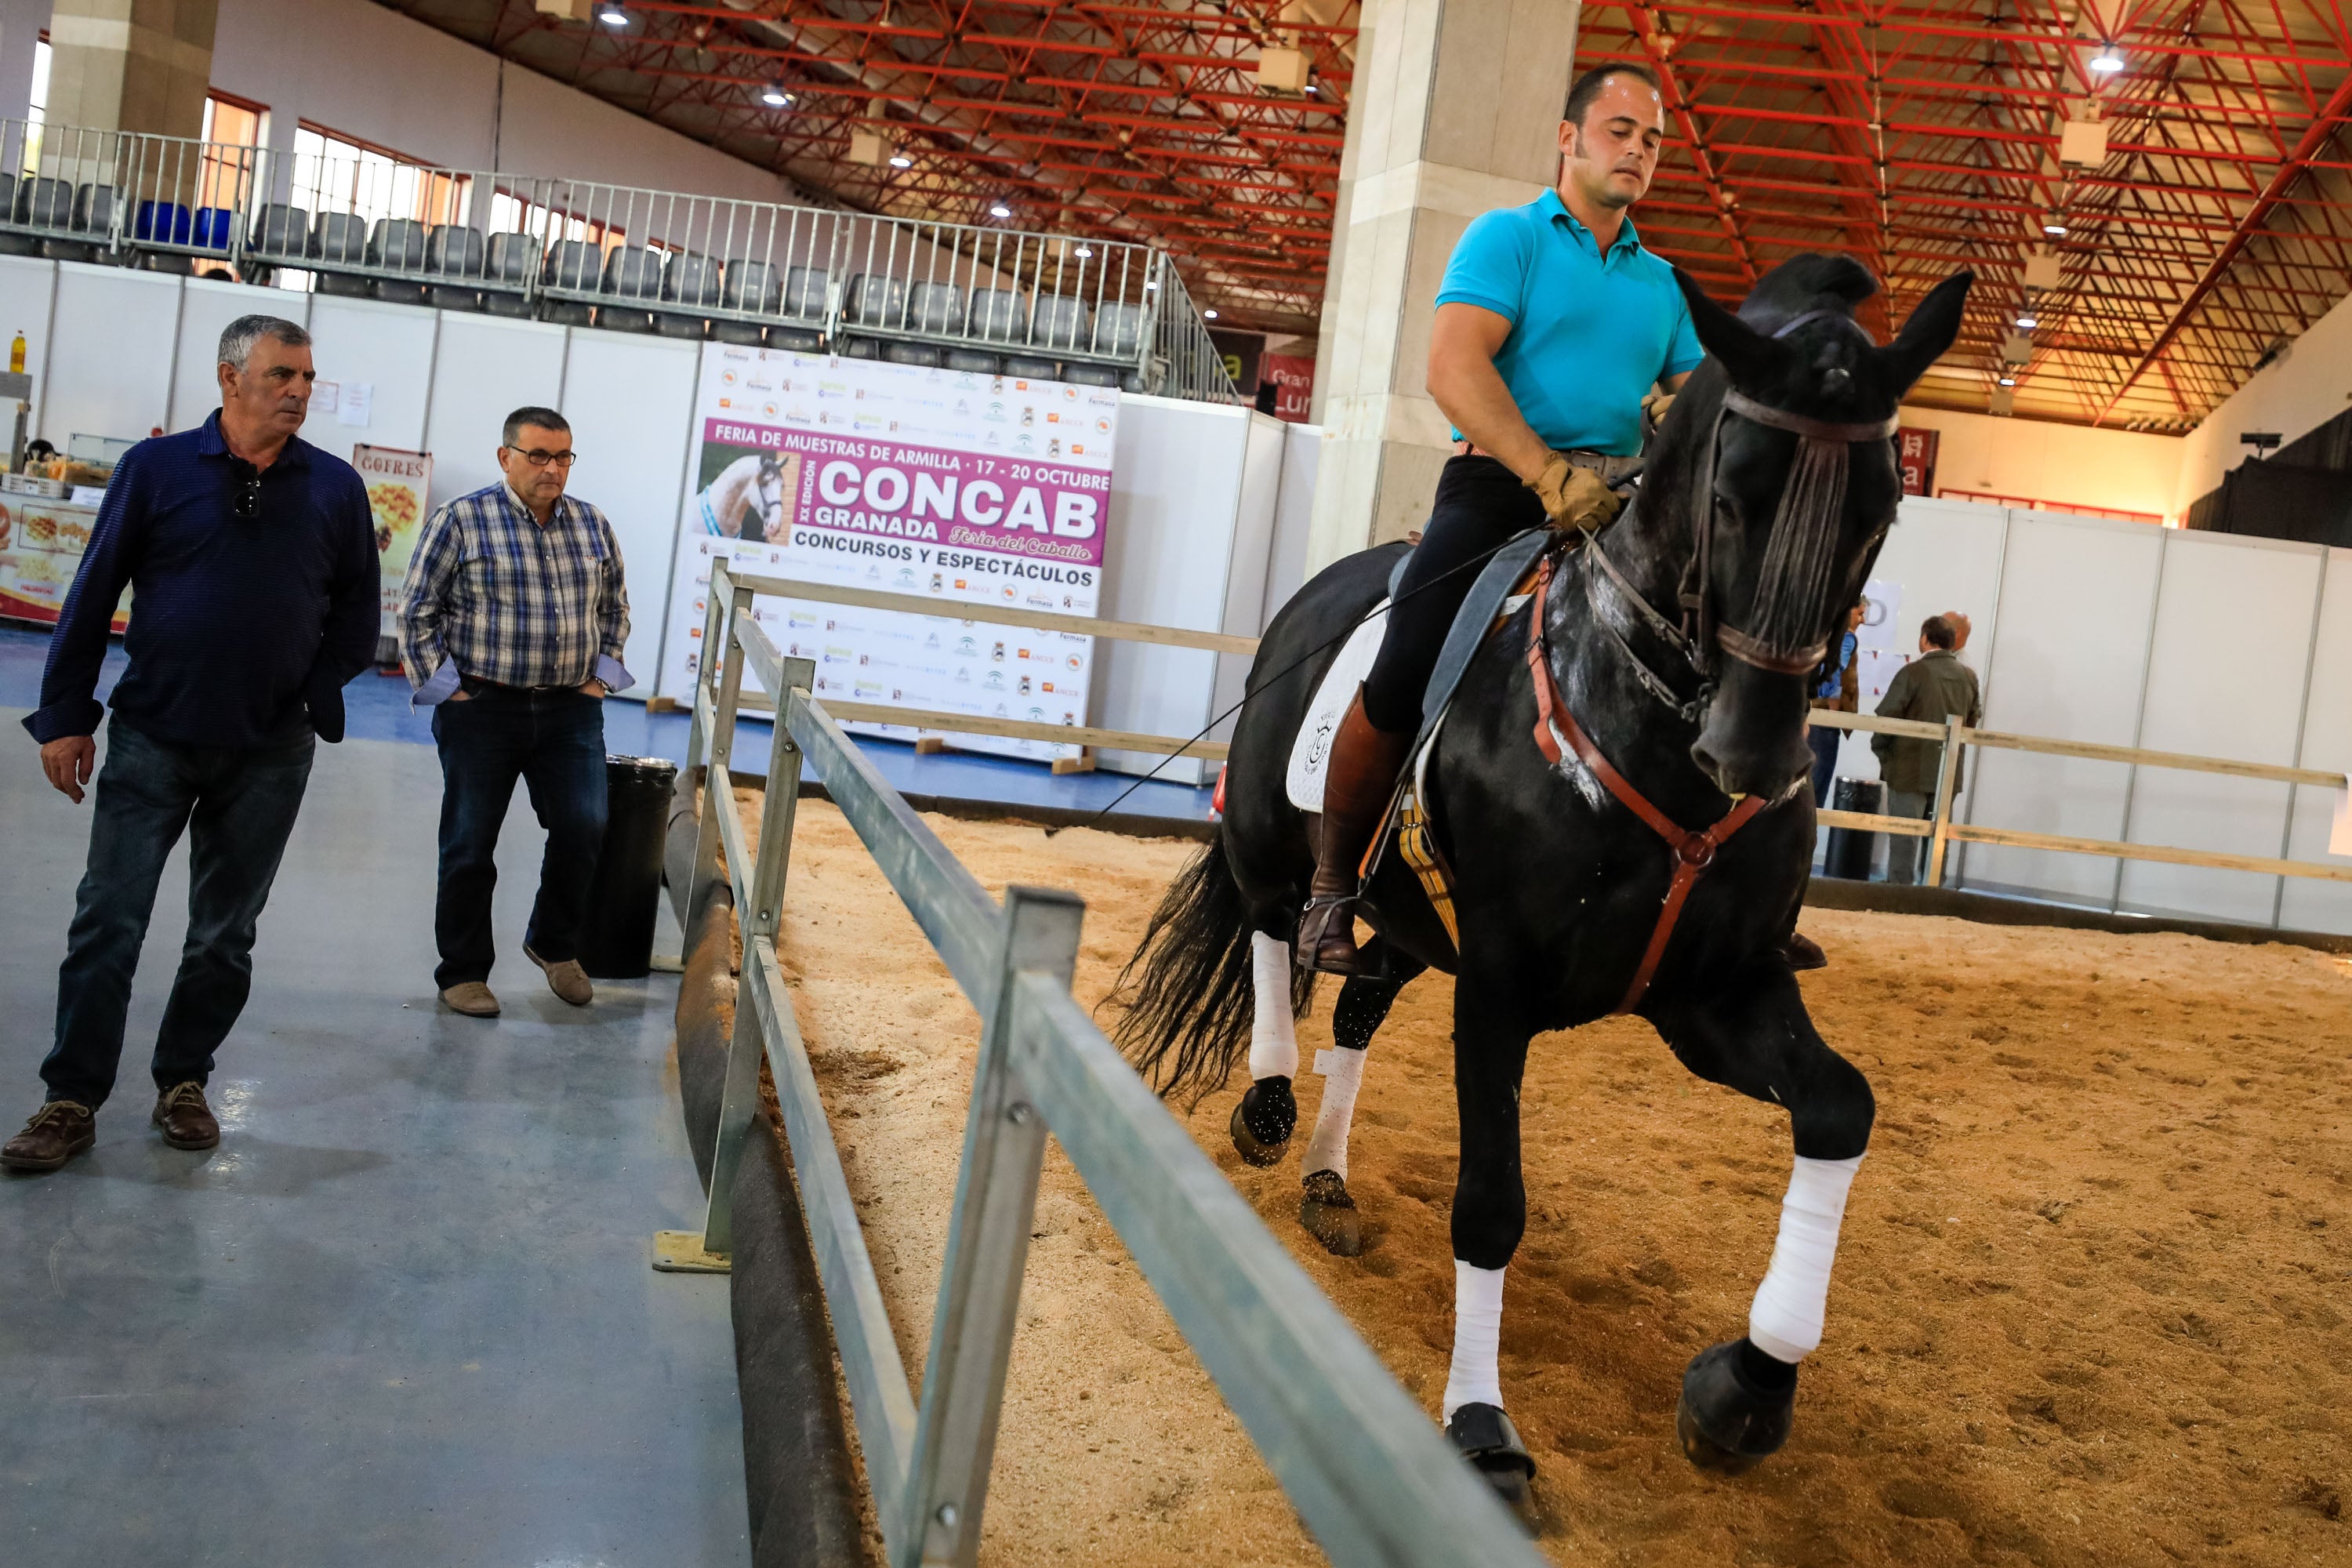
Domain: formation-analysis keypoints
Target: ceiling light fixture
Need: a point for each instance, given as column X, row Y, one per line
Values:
column 2026, row 321
column 2053, row 229
column 900, row 160
column 2107, row 61
column 2009, row 380
column 775, row 94
column 613, row 14
column 1083, row 252
column 999, row 210
column 1208, row 315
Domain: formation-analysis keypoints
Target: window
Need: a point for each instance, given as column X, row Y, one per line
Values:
column 234, row 135
column 336, row 173
column 514, row 214
column 37, row 114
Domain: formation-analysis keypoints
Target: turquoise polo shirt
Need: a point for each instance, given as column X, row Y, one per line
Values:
column 1590, row 335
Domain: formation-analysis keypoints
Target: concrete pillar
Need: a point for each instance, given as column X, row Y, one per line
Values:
column 132, row 64
column 1454, row 109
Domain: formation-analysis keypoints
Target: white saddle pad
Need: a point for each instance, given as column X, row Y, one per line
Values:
column 1312, row 750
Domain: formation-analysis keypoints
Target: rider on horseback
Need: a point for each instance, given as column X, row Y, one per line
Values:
column 1554, row 330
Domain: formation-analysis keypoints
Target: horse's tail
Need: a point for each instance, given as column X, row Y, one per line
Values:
column 1188, row 989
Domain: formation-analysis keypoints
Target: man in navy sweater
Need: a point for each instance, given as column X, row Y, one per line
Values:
column 252, row 562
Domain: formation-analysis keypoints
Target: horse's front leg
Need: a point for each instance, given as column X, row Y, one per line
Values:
column 1326, row 1210
column 1490, row 1214
column 1754, row 1035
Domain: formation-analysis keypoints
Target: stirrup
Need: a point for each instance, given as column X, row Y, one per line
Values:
column 1327, row 915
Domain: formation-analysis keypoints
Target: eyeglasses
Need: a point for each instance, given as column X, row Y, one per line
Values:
column 538, row 459
column 247, row 504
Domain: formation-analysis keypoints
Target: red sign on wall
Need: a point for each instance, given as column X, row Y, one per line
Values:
column 1293, row 377
column 1915, row 451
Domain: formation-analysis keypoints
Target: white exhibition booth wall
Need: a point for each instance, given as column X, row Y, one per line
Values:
column 2085, row 630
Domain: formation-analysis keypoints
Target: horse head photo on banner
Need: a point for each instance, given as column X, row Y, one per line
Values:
column 746, row 498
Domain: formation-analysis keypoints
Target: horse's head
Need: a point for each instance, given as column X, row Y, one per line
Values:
column 1795, row 488
column 768, row 487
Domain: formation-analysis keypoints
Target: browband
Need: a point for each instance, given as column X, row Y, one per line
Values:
column 1747, row 407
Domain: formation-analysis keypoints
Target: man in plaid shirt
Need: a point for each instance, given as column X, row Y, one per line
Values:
column 511, row 626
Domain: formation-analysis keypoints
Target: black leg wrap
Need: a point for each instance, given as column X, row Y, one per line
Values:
column 1264, row 1121
column 1733, row 1415
column 1329, row 1214
column 1491, row 1444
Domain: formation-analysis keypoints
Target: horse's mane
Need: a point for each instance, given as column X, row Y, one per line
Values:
column 1815, row 281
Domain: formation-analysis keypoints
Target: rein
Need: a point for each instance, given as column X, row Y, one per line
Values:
column 1695, row 851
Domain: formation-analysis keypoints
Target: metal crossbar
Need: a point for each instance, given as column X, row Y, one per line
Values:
column 1368, row 1472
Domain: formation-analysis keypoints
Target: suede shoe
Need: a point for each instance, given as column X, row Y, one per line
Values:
column 186, row 1120
column 565, row 978
column 58, row 1131
column 472, row 998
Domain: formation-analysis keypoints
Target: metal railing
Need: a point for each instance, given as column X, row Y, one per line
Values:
column 991, row 299
column 1374, row 1479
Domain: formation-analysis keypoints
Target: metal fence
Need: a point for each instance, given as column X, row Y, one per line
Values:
column 347, row 221
column 1374, row 1479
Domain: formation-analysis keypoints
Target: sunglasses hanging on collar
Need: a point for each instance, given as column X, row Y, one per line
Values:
column 248, row 502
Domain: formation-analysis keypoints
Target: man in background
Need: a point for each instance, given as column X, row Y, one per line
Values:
column 511, row 626
column 1929, row 690
column 252, row 557
column 1837, row 689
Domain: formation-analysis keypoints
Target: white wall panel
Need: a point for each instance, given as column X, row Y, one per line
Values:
column 484, row 368
column 1248, row 557
column 388, row 348
column 2225, row 679
column 206, row 307
column 631, row 402
column 2307, row 904
column 2076, row 595
column 1175, row 495
column 28, row 288
column 116, row 377
column 1948, row 556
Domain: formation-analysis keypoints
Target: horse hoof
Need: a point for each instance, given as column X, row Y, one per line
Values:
column 1491, row 1444
column 1264, row 1121
column 1803, row 952
column 1727, row 1421
column 1329, row 1214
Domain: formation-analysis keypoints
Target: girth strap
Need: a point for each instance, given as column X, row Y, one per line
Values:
column 1693, row 852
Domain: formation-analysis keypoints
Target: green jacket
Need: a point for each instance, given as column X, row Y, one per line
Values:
column 1929, row 689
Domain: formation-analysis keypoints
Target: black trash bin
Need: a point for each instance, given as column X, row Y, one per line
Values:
column 1851, row 847
column 617, row 940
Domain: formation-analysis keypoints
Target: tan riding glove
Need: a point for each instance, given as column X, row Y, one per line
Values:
column 1574, row 496
column 1654, row 406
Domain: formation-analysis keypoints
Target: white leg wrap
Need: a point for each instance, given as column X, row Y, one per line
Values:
column 1274, row 1048
column 1786, row 1321
column 1343, row 1074
column 1477, row 1332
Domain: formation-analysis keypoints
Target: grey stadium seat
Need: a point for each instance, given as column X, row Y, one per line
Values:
column 874, row 300
column 631, row 273
column 691, row 279
column 1061, row 324
column 751, row 285
column 935, row 308
column 398, row 243
column 282, row 231
column 512, row 257
column 339, row 237
column 999, row 315
column 574, row 264
column 453, row 250
column 805, row 289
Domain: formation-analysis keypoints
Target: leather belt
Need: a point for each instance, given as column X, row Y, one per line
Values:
column 1609, row 466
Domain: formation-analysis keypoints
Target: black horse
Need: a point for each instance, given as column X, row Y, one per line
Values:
column 1621, row 793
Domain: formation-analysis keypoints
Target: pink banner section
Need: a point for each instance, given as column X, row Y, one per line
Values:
column 1017, row 506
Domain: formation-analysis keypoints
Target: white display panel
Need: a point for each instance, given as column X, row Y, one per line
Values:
column 2076, row 595
column 1294, row 510
column 1943, row 555
column 631, row 402
column 28, row 290
column 2306, row 903
column 206, row 308
column 389, row 351
column 484, row 368
column 1248, row 557
column 1175, row 497
column 2211, row 692
column 116, row 379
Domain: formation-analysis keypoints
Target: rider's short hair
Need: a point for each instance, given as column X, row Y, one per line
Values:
column 1940, row 632
column 1588, row 88
column 544, row 418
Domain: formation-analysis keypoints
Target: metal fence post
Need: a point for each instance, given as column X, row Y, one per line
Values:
column 988, row 1248
column 714, row 619
column 774, row 857
column 1946, row 770
column 721, row 750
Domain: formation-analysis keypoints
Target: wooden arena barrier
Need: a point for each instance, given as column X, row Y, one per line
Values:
column 1374, row 1482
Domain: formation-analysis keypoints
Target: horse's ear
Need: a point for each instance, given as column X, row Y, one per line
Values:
column 1745, row 353
column 1929, row 331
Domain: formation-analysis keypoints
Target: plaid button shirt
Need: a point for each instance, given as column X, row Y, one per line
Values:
column 492, row 595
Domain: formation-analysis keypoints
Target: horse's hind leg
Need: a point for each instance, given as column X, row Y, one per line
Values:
column 1328, row 1211
column 1267, row 1115
column 1754, row 1035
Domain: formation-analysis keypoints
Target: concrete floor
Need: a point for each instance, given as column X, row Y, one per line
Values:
column 402, row 1314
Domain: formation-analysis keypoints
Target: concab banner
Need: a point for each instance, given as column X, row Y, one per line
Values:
column 988, row 494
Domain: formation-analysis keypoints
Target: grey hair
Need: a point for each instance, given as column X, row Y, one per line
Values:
column 544, row 418
column 238, row 337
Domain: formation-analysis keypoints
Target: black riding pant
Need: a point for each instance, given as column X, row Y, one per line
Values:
column 1480, row 505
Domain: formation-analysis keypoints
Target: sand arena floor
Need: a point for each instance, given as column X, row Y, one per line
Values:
column 2091, row 1306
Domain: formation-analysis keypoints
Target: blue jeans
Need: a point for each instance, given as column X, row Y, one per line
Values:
column 553, row 741
column 237, row 807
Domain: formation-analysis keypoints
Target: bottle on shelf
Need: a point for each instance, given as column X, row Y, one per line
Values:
column 16, row 356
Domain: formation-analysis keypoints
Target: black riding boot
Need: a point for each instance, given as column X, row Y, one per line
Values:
column 1357, row 784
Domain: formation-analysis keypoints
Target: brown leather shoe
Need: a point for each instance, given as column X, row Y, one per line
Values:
column 58, row 1131
column 186, row 1120
column 472, row 998
column 1356, row 785
column 565, row 978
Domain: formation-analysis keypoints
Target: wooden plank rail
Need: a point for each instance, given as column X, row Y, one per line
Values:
column 2164, row 854
column 1007, row 614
